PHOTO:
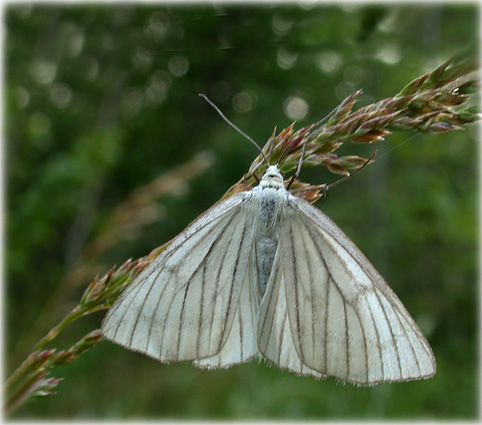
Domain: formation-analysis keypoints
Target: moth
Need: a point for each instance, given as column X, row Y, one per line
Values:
column 266, row 274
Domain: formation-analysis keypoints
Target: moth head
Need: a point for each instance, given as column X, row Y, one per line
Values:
column 272, row 178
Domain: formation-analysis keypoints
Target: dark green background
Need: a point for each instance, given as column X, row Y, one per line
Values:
column 94, row 109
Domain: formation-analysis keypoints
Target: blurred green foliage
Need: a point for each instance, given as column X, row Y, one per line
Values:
column 102, row 99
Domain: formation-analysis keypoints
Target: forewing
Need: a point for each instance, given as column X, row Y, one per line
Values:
column 182, row 307
column 241, row 344
column 345, row 320
column 275, row 340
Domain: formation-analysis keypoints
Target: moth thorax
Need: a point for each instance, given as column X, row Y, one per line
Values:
column 270, row 208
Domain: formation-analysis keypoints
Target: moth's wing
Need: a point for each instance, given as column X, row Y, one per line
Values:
column 345, row 320
column 182, row 307
column 241, row 344
column 275, row 340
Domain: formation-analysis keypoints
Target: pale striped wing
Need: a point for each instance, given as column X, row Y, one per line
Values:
column 345, row 320
column 275, row 340
column 241, row 344
column 184, row 306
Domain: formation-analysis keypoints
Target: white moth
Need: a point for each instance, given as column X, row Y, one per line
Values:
column 265, row 273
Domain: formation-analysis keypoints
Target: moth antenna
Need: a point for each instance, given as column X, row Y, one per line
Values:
column 282, row 155
column 349, row 176
column 234, row 126
column 325, row 187
column 317, row 124
column 298, row 170
column 272, row 144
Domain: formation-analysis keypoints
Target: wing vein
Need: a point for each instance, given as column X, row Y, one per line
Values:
column 414, row 354
column 214, row 243
column 268, row 303
column 158, row 269
column 394, row 342
column 347, row 342
column 312, row 298
column 142, row 308
column 378, row 339
column 364, row 340
column 233, row 278
column 198, row 340
column 297, row 297
column 327, row 303
column 218, row 274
